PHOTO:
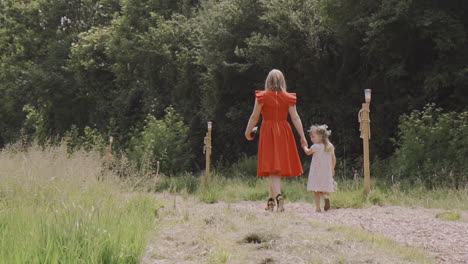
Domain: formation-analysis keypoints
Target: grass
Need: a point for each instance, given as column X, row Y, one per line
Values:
column 449, row 215
column 349, row 195
column 53, row 209
column 385, row 244
column 442, row 198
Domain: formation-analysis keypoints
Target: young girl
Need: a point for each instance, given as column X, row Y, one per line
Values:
column 322, row 169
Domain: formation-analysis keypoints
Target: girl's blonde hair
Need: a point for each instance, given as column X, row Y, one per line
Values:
column 323, row 131
column 275, row 81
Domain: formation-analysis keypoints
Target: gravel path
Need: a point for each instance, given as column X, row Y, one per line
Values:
column 190, row 232
column 447, row 241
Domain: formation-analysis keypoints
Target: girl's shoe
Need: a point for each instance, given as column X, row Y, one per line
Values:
column 280, row 202
column 270, row 205
column 318, row 210
column 327, row 204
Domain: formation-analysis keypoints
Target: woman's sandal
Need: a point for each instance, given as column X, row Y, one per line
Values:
column 270, row 205
column 280, row 202
column 318, row 210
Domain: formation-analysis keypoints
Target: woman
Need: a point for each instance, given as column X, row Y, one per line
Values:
column 277, row 151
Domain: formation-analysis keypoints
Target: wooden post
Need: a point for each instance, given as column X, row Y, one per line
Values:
column 207, row 151
column 365, row 135
column 108, row 156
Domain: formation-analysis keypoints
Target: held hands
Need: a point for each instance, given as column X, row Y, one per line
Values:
column 303, row 142
column 248, row 136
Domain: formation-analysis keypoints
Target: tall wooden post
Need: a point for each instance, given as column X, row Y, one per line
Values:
column 108, row 156
column 207, row 151
column 364, row 120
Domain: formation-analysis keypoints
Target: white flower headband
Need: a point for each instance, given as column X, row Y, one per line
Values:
column 323, row 128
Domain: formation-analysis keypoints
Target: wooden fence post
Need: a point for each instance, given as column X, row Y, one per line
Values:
column 364, row 120
column 207, row 151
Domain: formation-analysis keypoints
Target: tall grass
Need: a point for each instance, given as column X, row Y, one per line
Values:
column 54, row 209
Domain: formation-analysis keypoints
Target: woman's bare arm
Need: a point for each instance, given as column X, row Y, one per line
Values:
column 296, row 120
column 253, row 120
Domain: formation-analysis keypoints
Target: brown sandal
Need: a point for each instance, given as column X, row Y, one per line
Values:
column 280, row 202
column 270, row 205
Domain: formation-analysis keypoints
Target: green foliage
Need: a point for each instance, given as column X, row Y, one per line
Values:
column 34, row 125
column 162, row 141
column 433, row 148
column 245, row 167
column 109, row 64
column 90, row 139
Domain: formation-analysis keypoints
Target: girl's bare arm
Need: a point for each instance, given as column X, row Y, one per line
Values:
column 296, row 120
column 308, row 151
column 253, row 120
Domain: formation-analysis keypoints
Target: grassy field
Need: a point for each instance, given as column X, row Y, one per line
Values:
column 57, row 207
column 53, row 209
column 349, row 194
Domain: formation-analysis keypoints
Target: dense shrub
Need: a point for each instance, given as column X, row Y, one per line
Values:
column 34, row 125
column 90, row 139
column 164, row 141
column 433, row 148
column 245, row 167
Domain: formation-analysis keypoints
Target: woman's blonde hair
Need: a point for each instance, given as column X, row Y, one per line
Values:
column 275, row 81
column 323, row 131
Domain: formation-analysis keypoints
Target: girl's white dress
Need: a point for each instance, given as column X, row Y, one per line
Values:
column 320, row 173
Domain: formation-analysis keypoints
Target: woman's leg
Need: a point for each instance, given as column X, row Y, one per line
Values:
column 317, row 201
column 275, row 185
column 275, row 189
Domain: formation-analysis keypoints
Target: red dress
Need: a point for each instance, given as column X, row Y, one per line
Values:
column 277, row 150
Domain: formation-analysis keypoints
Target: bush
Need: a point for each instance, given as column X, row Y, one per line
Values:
column 245, row 167
column 90, row 139
column 164, row 141
column 34, row 126
column 433, row 148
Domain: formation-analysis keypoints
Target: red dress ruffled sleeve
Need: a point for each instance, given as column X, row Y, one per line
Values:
column 260, row 95
column 292, row 98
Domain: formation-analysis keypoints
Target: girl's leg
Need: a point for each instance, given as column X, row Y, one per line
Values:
column 317, row 201
column 326, row 201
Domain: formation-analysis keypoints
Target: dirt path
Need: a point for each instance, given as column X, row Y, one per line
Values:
column 447, row 241
column 193, row 232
